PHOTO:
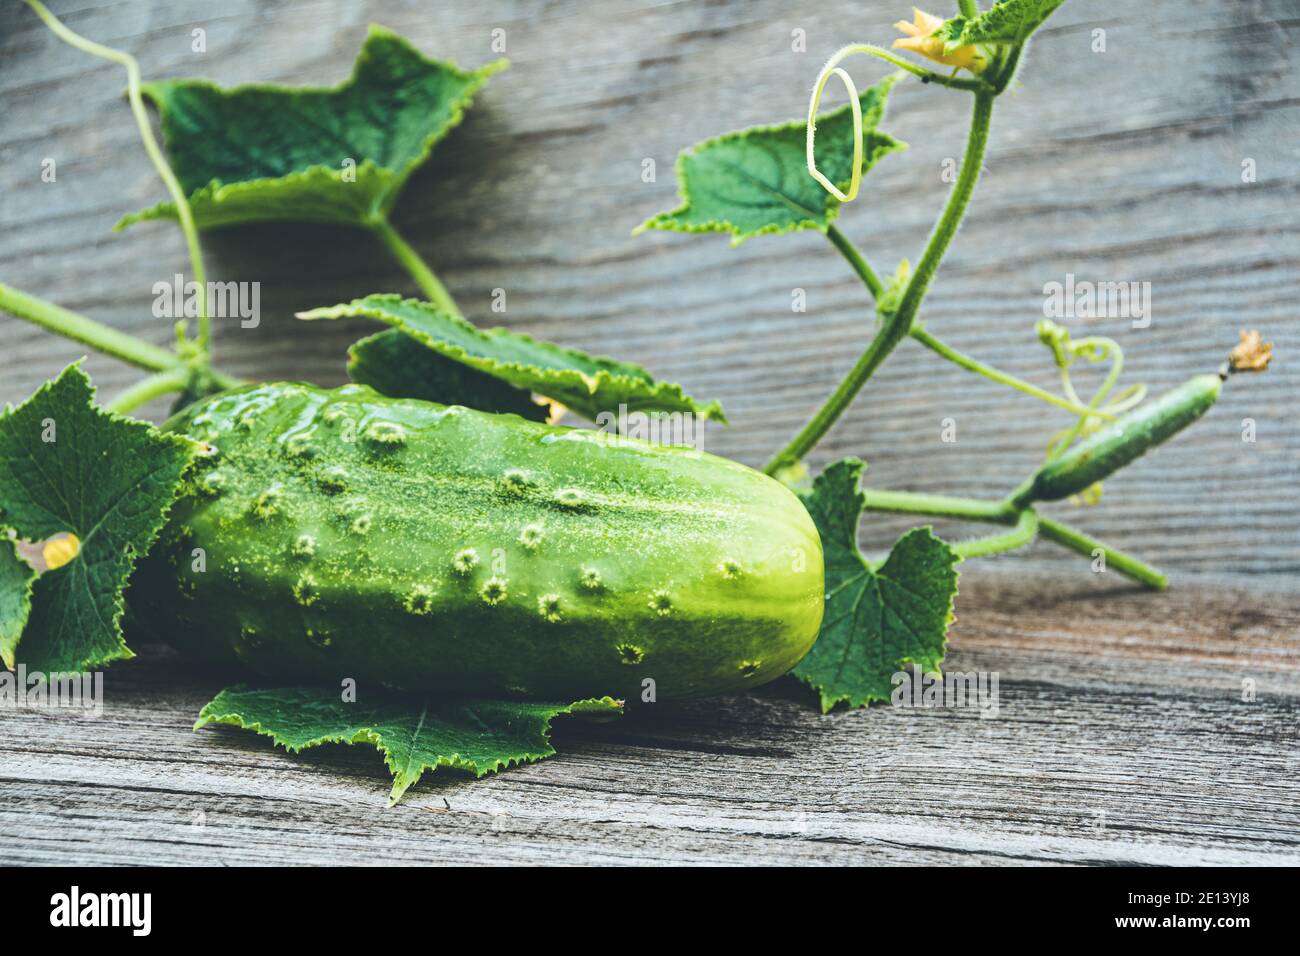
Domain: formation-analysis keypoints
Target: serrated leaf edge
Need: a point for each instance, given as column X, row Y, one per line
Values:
column 122, row 652
column 404, row 779
column 216, row 190
column 856, row 467
column 878, row 145
column 829, row 703
column 663, row 392
column 969, row 24
column 8, row 649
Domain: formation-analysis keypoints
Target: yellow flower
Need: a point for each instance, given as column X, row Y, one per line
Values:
column 59, row 551
column 920, row 39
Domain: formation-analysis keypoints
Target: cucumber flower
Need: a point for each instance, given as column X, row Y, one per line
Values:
column 921, row 39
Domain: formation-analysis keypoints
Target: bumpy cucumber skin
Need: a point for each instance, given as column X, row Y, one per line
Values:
column 1118, row 443
column 437, row 548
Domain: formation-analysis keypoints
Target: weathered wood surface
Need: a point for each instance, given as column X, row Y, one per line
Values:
column 1121, row 737
column 1123, row 165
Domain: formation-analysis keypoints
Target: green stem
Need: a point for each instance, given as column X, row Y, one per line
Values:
column 972, row 84
column 183, row 211
column 147, row 389
column 1025, row 530
column 895, row 326
column 967, row 8
column 938, row 506
column 424, row 277
column 918, row 332
column 1004, row 70
column 1003, row 512
column 973, row 365
column 1126, row 564
column 855, row 258
column 70, row 325
column 962, row 191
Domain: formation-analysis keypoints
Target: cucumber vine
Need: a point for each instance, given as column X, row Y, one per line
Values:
column 989, row 47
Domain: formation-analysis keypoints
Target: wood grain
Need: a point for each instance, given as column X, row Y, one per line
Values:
column 1122, row 165
column 1119, row 738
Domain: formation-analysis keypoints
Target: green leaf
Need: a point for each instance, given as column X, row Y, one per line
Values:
column 756, row 180
column 264, row 152
column 878, row 618
column 1006, row 23
column 587, row 384
column 413, row 733
column 16, row 577
column 67, row 466
column 397, row 365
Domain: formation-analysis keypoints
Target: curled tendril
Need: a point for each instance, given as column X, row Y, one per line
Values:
column 1095, row 348
column 827, row 71
column 832, row 67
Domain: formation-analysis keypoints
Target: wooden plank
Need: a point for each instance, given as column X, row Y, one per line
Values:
column 1117, row 739
column 1122, row 165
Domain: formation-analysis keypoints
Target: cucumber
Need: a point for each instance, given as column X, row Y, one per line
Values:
column 1115, row 445
column 437, row 548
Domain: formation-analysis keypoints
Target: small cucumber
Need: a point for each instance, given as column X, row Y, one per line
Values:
column 333, row 534
column 1118, row 443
